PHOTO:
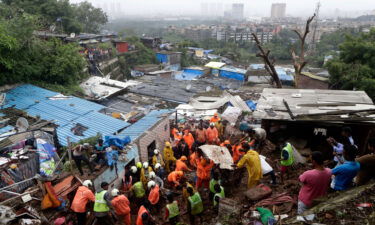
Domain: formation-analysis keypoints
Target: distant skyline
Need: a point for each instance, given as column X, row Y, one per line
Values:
column 259, row 8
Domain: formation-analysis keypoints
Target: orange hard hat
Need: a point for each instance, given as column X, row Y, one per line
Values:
column 180, row 173
column 227, row 142
column 183, row 158
column 216, row 114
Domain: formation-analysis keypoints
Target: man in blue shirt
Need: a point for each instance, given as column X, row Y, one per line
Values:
column 345, row 173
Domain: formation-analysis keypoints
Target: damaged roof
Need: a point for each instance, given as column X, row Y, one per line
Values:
column 310, row 104
column 137, row 129
column 65, row 111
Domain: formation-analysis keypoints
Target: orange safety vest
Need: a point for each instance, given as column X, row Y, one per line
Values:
column 193, row 157
column 204, row 169
column 121, row 205
column 211, row 134
column 83, row 195
column 172, row 177
column 181, row 166
column 141, row 211
column 189, row 140
column 154, row 195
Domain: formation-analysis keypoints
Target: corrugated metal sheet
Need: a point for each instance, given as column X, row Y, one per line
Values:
column 65, row 112
column 142, row 125
column 6, row 129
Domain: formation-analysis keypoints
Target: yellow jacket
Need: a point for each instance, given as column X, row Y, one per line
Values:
column 168, row 154
column 252, row 163
column 157, row 159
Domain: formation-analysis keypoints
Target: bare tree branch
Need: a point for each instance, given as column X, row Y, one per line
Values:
column 299, row 60
column 269, row 66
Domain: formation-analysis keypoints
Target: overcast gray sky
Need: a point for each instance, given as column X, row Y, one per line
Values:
column 252, row 7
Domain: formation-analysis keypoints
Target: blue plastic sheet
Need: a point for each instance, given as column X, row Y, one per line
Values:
column 252, row 105
column 118, row 142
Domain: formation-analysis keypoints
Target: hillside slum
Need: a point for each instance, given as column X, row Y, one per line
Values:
column 210, row 150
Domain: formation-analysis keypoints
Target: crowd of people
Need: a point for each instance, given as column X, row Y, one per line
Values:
column 182, row 177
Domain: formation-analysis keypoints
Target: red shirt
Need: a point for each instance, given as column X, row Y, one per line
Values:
column 315, row 184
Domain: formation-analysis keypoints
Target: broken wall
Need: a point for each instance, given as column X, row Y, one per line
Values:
column 159, row 133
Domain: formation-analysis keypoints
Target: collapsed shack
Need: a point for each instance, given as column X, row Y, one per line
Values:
column 308, row 117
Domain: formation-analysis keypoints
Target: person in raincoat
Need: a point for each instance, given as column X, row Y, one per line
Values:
column 169, row 158
column 251, row 161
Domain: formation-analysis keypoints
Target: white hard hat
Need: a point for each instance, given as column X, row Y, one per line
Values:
column 86, row 144
column 157, row 165
column 212, row 124
column 87, row 183
column 156, row 151
column 151, row 184
column 115, row 192
column 145, row 165
column 133, row 169
column 152, row 175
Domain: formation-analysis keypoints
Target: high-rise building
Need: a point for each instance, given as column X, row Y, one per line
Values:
column 237, row 11
column 278, row 10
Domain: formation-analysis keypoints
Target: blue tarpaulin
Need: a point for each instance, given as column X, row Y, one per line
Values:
column 232, row 73
column 252, row 105
column 189, row 74
column 162, row 58
column 118, row 142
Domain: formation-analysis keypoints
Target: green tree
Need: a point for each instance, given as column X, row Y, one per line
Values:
column 25, row 58
column 90, row 17
column 355, row 66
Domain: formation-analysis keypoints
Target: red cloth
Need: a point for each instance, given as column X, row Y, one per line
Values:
column 315, row 184
column 154, row 195
column 141, row 211
column 83, row 195
column 121, row 205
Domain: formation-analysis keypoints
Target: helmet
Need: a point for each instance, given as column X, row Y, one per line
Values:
column 115, row 192
column 167, row 144
column 139, row 165
column 216, row 114
column 183, row 158
column 157, row 165
column 152, row 175
column 133, row 169
column 151, row 184
column 145, row 165
column 227, row 142
column 87, row 183
column 212, row 124
column 156, row 151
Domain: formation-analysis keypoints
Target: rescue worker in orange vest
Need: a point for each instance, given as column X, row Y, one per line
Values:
column 237, row 153
column 144, row 217
column 172, row 212
column 189, row 139
column 181, row 165
column 215, row 118
column 175, row 177
column 204, row 167
column 121, row 206
column 212, row 134
column 169, row 158
column 82, row 196
column 154, row 195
